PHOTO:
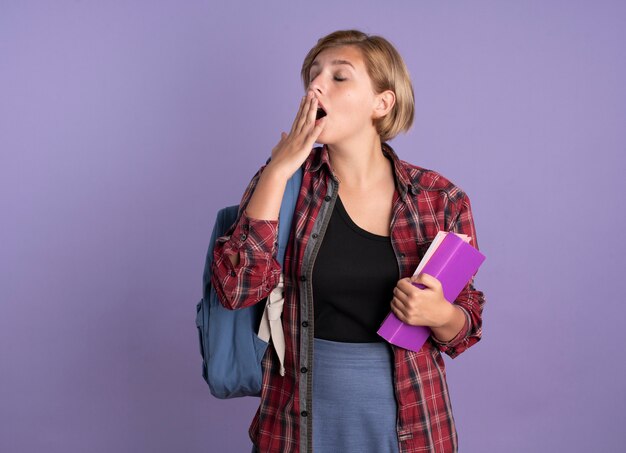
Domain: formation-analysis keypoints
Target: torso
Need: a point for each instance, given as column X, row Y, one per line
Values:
column 283, row 423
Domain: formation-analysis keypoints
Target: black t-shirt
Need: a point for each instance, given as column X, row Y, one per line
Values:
column 354, row 275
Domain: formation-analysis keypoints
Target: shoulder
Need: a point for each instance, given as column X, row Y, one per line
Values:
column 431, row 183
column 437, row 202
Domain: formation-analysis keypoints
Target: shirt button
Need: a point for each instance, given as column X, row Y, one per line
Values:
column 243, row 237
column 315, row 235
column 246, row 227
column 304, row 413
column 402, row 255
column 327, row 198
column 305, row 324
column 233, row 273
column 303, row 369
column 303, row 278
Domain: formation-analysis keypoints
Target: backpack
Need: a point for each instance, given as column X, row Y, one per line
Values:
column 230, row 348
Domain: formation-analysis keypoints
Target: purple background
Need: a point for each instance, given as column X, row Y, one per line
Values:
column 124, row 126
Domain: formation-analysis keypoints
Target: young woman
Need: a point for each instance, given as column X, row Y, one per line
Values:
column 363, row 221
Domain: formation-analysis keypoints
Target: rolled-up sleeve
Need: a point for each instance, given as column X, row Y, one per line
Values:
column 470, row 300
column 255, row 242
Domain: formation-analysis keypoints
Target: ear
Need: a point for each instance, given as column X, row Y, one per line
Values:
column 384, row 103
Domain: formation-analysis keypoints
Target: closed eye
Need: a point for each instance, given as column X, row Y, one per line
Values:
column 339, row 79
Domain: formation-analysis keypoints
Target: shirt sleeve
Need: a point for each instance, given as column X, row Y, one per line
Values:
column 470, row 300
column 256, row 243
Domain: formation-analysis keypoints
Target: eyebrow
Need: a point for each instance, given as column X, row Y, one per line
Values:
column 334, row 63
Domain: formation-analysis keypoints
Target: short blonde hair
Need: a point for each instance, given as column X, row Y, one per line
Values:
column 385, row 68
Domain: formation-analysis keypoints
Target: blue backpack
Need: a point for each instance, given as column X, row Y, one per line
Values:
column 230, row 348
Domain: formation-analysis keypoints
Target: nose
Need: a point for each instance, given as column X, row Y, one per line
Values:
column 317, row 84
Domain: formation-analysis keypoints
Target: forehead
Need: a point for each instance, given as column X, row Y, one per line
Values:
column 344, row 55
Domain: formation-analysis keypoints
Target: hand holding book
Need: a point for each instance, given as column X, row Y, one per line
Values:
column 453, row 262
column 419, row 301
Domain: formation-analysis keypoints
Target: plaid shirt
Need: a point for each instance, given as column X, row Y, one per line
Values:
column 424, row 203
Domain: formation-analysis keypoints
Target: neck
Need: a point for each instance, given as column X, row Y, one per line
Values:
column 359, row 165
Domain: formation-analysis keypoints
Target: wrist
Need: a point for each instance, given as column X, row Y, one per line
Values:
column 449, row 315
column 275, row 174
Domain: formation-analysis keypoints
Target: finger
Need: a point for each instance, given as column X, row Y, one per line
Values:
column 304, row 114
column 312, row 113
column 401, row 307
column 427, row 280
column 410, row 296
column 315, row 133
column 296, row 121
column 399, row 294
column 283, row 135
column 301, row 116
column 406, row 286
column 399, row 310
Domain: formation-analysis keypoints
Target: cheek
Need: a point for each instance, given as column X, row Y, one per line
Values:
column 354, row 108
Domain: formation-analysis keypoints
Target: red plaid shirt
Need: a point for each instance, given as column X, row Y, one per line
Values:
column 424, row 203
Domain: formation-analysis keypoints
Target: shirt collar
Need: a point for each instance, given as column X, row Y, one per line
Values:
column 319, row 158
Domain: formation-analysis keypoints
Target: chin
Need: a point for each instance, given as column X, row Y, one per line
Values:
column 322, row 139
column 330, row 139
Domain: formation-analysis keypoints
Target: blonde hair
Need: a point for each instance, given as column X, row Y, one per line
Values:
column 385, row 68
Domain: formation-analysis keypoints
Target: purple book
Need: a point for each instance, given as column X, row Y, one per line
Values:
column 453, row 263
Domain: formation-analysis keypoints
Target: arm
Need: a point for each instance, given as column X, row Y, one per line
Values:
column 470, row 301
column 245, row 269
column 244, row 261
column 457, row 326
